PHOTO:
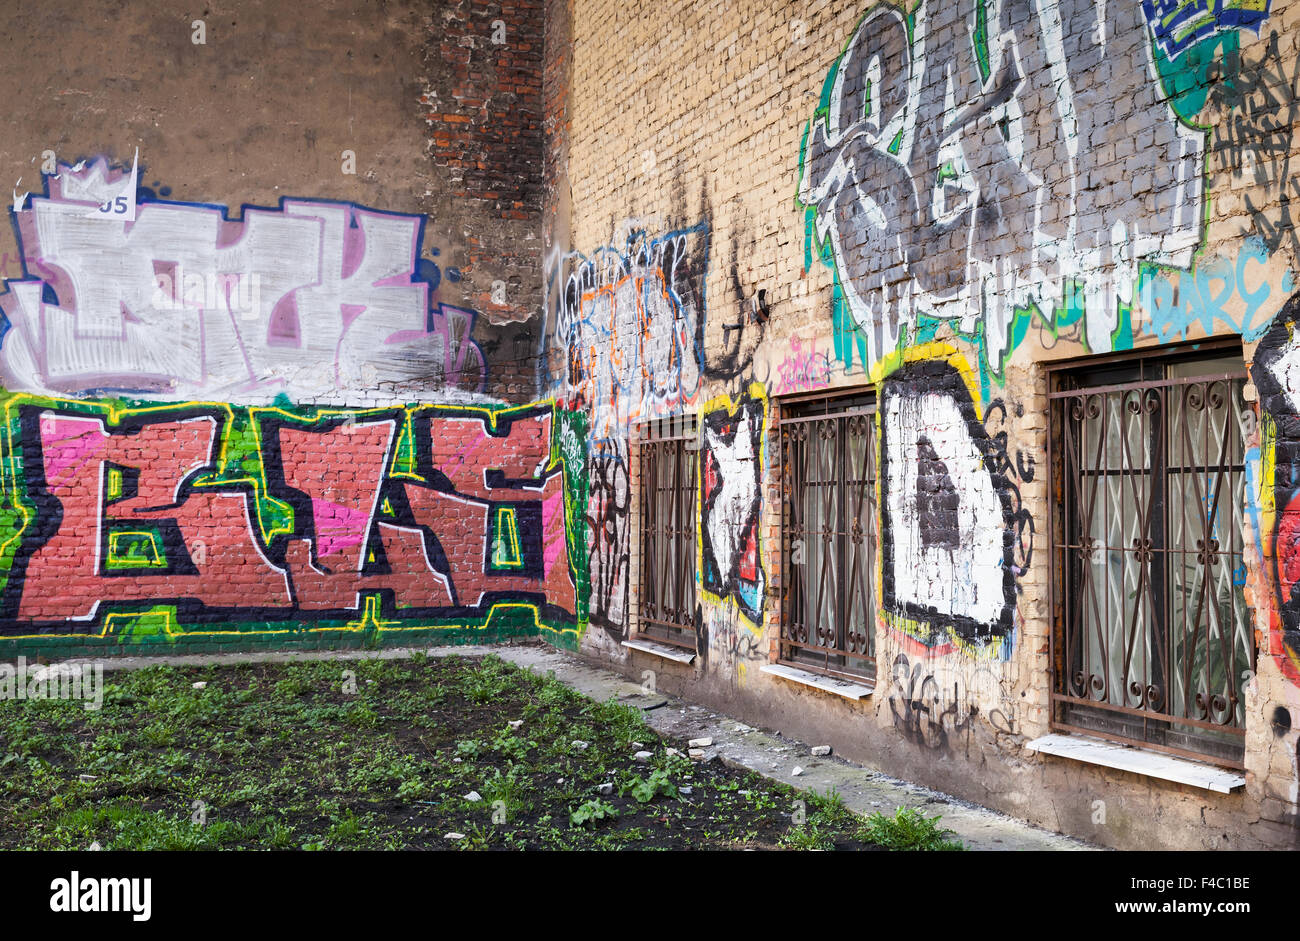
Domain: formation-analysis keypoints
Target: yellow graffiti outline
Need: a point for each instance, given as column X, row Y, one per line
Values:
column 113, row 485
column 368, row 618
column 160, row 558
column 506, row 521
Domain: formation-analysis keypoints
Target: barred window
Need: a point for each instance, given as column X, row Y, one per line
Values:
column 668, row 463
column 829, row 535
column 1152, row 641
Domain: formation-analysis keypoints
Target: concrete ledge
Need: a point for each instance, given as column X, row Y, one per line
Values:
column 661, row 650
column 820, row 681
column 1096, row 751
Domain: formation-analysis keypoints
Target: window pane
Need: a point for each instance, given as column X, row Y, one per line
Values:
column 829, row 550
column 1155, row 628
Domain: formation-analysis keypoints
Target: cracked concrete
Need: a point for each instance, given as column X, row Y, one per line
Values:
column 734, row 743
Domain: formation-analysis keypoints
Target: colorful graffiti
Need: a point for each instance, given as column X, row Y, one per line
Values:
column 1276, row 374
column 630, row 327
column 731, row 501
column 952, row 175
column 625, row 330
column 221, row 518
column 318, row 301
column 1177, row 25
column 954, row 536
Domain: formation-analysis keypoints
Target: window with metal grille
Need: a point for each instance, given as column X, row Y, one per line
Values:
column 1152, row 641
column 668, row 460
column 828, row 535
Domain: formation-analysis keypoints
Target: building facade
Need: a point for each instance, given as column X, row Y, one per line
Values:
column 917, row 378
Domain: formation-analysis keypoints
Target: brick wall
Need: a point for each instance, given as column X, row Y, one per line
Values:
column 457, row 270
column 329, row 292
column 938, row 202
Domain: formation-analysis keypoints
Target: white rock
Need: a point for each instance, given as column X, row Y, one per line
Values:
column 605, row 789
column 579, row 745
column 201, row 684
column 797, row 771
column 456, row 761
column 453, row 835
column 687, row 790
column 820, row 750
column 87, row 778
column 642, row 756
column 473, row 797
column 95, row 846
column 696, row 753
column 638, row 745
column 672, row 752
column 559, row 780
column 700, row 742
column 515, row 723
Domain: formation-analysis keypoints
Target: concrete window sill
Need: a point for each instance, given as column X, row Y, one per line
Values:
column 663, row 651
column 828, row 684
column 1153, row 764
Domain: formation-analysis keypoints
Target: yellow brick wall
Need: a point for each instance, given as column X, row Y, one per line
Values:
column 683, row 115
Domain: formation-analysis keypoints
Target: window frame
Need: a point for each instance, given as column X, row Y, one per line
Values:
column 1065, row 578
column 680, row 436
column 841, row 404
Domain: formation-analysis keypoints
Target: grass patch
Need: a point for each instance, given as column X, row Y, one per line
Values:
column 908, row 829
column 385, row 754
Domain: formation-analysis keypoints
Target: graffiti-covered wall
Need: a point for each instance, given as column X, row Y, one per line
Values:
column 356, row 329
column 924, row 207
column 266, row 362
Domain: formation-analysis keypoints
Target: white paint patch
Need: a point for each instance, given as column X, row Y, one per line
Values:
column 960, row 577
column 1286, row 370
column 729, row 516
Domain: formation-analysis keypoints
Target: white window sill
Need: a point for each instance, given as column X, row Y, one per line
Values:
column 829, row 684
column 1153, row 764
column 663, row 651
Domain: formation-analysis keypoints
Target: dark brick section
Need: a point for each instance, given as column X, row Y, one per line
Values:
column 483, row 104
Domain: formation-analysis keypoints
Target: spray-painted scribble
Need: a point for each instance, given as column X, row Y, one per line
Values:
column 607, row 524
column 1176, row 300
column 950, row 174
column 804, row 369
column 315, row 300
column 731, row 504
column 1256, row 144
column 1014, row 473
column 935, row 700
column 951, row 542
